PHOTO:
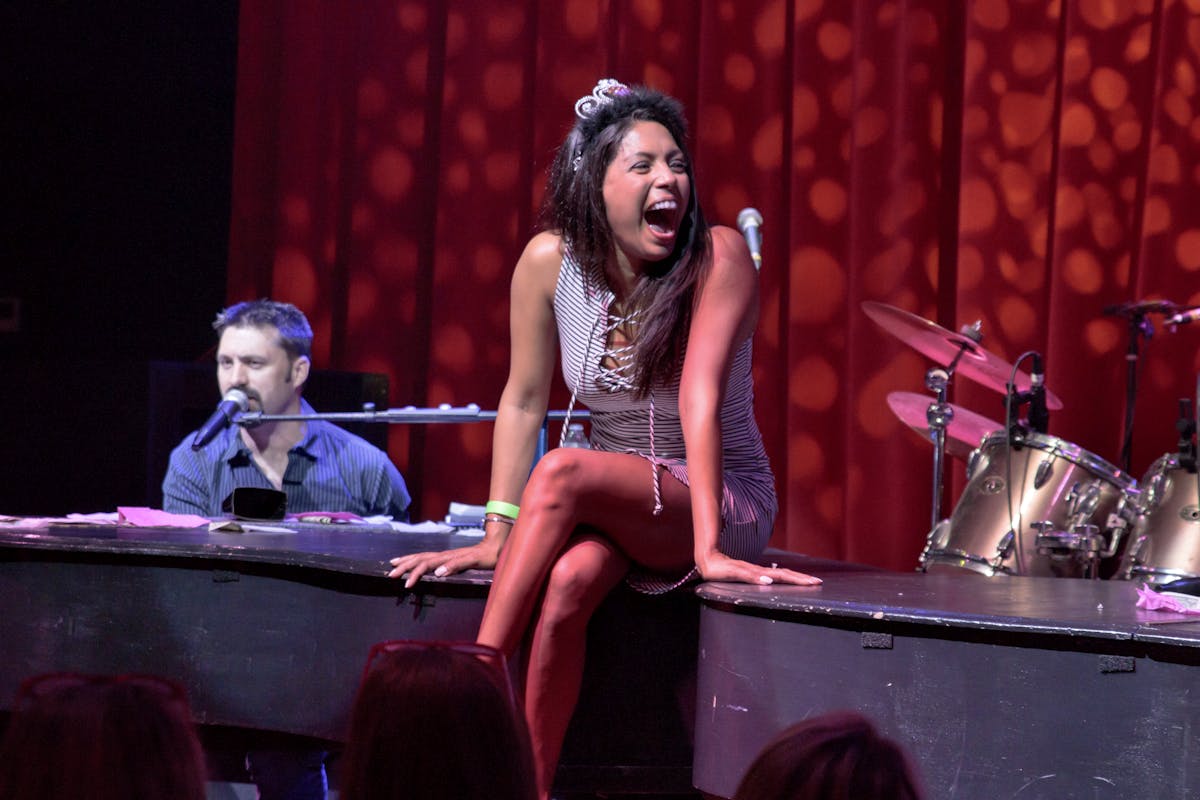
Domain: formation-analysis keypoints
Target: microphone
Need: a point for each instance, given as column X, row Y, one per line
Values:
column 748, row 222
column 1140, row 308
column 1184, row 317
column 1039, row 416
column 234, row 402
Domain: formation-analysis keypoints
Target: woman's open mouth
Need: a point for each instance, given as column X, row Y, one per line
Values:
column 662, row 217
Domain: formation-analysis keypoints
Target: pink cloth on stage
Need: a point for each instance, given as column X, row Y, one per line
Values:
column 1153, row 601
column 140, row 517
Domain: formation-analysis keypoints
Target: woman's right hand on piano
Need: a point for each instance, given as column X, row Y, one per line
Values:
column 445, row 562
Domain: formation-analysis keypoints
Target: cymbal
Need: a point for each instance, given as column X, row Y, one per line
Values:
column 935, row 342
column 964, row 432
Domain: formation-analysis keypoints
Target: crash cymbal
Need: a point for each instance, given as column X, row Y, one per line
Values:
column 935, row 342
column 964, row 432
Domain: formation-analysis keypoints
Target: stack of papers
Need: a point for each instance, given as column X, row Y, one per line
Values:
column 464, row 516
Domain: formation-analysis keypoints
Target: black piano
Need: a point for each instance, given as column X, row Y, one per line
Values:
column 269, row 633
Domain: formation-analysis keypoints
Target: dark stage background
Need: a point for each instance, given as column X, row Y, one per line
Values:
column 1015, row 161
column 117, row 147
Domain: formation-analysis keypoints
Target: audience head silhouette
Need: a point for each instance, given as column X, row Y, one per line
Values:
column 434, row 721
column 835, row 756
column 103, row 738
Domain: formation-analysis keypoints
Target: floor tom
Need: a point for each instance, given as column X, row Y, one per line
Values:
column 1165, row 544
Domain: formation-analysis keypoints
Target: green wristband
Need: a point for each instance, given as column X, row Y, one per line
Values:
column 502, row 508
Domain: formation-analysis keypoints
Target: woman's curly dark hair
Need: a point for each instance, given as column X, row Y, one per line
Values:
column 574, row 207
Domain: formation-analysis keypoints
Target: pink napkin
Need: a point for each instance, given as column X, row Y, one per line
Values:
column 1153, row 601
column 155, row 518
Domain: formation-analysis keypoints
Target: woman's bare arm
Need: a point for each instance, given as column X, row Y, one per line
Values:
column 725, row 315
column 521, row 410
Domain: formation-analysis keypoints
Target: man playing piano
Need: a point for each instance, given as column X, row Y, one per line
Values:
column 264, row 350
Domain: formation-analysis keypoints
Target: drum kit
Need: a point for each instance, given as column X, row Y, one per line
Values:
column 1035, row 504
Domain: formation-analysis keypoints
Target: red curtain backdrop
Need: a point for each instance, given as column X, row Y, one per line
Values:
column 1023, row 163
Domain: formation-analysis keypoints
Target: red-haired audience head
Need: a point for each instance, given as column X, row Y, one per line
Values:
column 835, row 756
column 434, row 721
column 103, row 738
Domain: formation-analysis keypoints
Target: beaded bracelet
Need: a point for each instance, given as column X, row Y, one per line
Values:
column 502, row 508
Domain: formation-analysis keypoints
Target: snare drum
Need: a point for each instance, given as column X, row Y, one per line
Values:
column 1038, row 506
column 1165, row 544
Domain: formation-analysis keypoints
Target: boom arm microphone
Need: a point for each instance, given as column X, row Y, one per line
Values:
column 1140, row 307
column 1184, row 317
column 234, row 402
column 749, row 221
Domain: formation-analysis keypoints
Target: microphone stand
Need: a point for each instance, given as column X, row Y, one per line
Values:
column 409, row 415
column 1139, row 326
column 1136, row 313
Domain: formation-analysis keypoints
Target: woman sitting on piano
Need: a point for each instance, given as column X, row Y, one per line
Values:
column 653, row 314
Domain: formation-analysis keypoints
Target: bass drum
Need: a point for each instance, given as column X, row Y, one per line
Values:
column 1165, row 544
column 1036, row 506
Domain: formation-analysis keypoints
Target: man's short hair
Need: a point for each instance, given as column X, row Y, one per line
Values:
column 295, row 333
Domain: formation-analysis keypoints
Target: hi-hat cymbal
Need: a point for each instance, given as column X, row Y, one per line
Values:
column 964, row 432
column 935, row 342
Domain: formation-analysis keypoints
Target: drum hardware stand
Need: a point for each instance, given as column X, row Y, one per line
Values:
column 939, row 415
column 1133, row 559
column 1004, row 549
column 1186, row 425
column 1082, row 537
column 1085, row 539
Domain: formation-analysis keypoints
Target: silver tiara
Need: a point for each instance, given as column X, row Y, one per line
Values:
column 602, row 95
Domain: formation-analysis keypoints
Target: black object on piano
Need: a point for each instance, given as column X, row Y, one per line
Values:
column 249, row 502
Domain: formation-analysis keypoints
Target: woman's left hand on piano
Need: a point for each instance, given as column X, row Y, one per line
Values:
column 444, row 562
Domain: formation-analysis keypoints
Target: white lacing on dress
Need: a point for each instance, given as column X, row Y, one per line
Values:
column 614, row 379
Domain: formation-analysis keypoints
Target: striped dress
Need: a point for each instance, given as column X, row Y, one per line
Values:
column 621, row 422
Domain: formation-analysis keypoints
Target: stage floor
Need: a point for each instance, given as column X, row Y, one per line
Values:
column 998, row 687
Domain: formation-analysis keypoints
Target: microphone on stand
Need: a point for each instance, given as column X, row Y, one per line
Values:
column 748, row 221
column 1140, row 308
column 234, row 402
column 1184, row 317
column 1039, row 416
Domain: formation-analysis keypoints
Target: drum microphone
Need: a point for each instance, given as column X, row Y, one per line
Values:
column 1039, row 416
column 748, row 222
column 234, row 402
column 1184, row 317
